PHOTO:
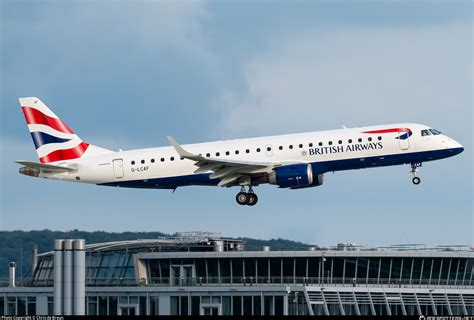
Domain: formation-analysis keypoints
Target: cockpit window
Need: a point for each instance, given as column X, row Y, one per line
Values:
column 425, row 133
column 435, row 132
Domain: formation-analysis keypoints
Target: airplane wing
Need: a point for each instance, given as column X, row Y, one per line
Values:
column 230, row 172
column 47, row 167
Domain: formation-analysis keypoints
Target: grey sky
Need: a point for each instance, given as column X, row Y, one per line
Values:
column 124, row 74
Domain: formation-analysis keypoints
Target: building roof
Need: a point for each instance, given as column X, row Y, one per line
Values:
column 195, row 244
column 189, row 241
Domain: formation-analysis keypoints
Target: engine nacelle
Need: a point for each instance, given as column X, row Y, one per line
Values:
column 27, row 171
column 295, row 176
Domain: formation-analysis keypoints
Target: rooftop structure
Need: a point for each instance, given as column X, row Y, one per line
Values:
column 202, row 273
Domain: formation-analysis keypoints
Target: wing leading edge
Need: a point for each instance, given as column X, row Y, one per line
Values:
column 230, row 172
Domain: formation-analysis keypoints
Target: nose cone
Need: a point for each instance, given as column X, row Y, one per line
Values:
column 458, row 150
column 455, row 147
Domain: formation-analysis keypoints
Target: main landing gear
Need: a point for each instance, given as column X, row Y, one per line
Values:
column 246, row 198
column 414, row 169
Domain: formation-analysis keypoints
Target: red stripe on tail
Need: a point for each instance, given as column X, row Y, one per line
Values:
column 34, row 116
column 66, row 154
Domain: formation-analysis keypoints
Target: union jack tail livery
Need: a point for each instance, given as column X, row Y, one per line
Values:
column 53, row 139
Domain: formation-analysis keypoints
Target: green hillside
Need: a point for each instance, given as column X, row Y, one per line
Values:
column 17, row 245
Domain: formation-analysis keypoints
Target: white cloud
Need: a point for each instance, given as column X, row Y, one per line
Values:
column 105, row 39
column 317, row 80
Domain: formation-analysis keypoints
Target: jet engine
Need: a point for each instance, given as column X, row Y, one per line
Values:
column 295, row 176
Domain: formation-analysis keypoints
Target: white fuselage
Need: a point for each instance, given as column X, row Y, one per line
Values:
column 332, row 150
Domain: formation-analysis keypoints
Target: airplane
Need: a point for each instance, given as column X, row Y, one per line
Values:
column 293, row 161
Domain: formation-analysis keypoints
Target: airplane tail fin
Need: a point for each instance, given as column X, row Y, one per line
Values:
column 53, row 139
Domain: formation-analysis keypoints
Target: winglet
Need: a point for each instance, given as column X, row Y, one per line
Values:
column 182, row 153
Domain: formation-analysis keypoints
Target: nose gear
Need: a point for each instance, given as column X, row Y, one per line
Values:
column 414, row 169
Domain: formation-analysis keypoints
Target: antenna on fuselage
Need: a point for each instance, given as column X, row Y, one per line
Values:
column 344, row 127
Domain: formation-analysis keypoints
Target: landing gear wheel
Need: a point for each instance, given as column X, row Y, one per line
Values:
column 253, row 199
column 242, row 198
column 414, row 169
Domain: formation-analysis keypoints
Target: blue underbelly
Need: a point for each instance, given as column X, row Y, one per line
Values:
column 167, row 183
column 318, row 167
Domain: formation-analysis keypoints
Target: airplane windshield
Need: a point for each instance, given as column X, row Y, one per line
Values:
column 435, row 132
column 425, row 133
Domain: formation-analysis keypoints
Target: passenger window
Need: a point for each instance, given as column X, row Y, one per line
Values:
column 258, row 149
column 227, row 153
column 360, row 139
column 380, row 138
column 208, row 155
column 236, row 151
column 269, row 149
column 162, row 159
column 369, row 138
column 143, row 161
column 280, row 147
column 181, row 158
column 152, row 160
column 310, row 144
column 425, row 133
column 291, row 146
column 133, row 162
column 247, row 151
column 320, row 144
column 330, row 143
column 172, row 158
column 349, row 141
column 340, row 142
column 301, row 145
column 217, row 154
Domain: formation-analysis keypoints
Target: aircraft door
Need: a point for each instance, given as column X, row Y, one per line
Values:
column 403, row 140
column 118, row 168
column 268, row 150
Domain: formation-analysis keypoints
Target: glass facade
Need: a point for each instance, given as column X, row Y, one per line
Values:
column 313, row 270
column 44, row 271
column 113, row 305
column 237, row 305
column 110, row 268
column 245, row 305
column 101, row 269
column 322, row 302
column 18, row 305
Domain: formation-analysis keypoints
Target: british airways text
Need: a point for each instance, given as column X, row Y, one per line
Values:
column 348, row 148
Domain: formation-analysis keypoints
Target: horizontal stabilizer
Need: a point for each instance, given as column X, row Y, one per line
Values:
column 43, row 166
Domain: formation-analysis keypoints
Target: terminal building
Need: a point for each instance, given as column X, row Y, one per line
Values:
column 206, row 274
